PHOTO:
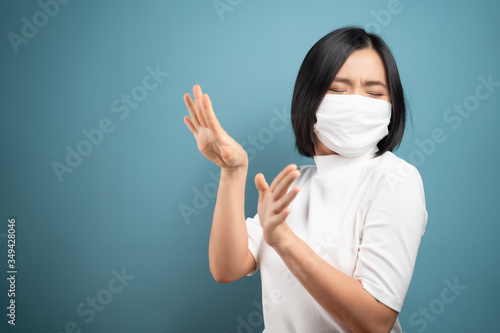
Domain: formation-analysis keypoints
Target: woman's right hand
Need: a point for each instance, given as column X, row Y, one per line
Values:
column 213, row 141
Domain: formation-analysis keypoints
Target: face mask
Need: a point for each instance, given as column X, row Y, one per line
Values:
column 352, row 125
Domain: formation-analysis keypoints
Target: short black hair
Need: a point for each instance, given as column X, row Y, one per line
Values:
column 318, row 70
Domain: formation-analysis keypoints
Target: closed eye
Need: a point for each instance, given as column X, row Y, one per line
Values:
column 369, row 93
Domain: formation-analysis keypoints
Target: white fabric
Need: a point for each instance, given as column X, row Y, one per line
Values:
column 365, row 216
column 352, row 125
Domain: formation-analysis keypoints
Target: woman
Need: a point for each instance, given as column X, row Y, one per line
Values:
column 336, row 243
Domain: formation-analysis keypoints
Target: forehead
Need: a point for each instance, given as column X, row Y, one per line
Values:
column 365, row 64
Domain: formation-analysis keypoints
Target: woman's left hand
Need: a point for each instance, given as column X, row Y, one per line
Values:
column 273, row 203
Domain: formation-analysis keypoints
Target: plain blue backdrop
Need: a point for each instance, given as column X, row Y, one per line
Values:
column 116, row 238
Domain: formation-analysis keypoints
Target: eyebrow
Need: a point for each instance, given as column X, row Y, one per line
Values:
column 366, row 83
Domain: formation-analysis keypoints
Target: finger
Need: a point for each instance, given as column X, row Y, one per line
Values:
column 208, row 113
column 191, row 127
column 281, row 217
column 197, row 101
column 191, row 108
column 281, row 175
column 261, row 184
column 284, row 184
column 287, row 199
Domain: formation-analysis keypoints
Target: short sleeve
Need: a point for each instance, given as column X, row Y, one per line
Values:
column 255, row 237
column 390, row 237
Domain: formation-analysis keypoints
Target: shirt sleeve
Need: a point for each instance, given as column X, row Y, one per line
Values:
column 390, row 237
column 255, row 237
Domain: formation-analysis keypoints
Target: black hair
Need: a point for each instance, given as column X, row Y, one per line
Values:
column 319, row 68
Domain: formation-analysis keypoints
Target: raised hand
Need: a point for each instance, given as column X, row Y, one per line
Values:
column 213, row 141
column 273, row 203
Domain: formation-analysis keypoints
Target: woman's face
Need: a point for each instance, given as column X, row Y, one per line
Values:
column 363, row 73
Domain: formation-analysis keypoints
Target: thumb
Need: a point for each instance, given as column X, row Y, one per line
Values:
column 225, row 153
column 262, row 186
column 228, row 155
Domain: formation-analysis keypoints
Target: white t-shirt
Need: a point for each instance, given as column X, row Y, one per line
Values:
column 365, row 216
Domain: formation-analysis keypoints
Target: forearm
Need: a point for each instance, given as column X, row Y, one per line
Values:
column 341, row 295
column 228, row 247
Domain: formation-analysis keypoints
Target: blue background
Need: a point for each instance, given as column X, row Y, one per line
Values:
column 120, row 208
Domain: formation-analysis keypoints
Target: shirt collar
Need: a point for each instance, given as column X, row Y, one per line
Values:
column 340, row 164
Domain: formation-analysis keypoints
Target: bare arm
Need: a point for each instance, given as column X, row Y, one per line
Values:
column 341, row 295
column 228, row 251
column 229, row 256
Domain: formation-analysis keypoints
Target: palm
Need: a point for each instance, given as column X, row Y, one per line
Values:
column 213, row 142
column 274, row 201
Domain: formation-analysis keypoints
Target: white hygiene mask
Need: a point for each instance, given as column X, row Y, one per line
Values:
column 352, row 125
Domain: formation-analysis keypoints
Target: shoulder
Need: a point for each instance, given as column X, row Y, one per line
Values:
column 390, row 163
column 394, row 173
column 399, row 192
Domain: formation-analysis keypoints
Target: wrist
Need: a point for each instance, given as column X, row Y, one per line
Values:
column 241, row 167
column 281, row 238
column 233, row 174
